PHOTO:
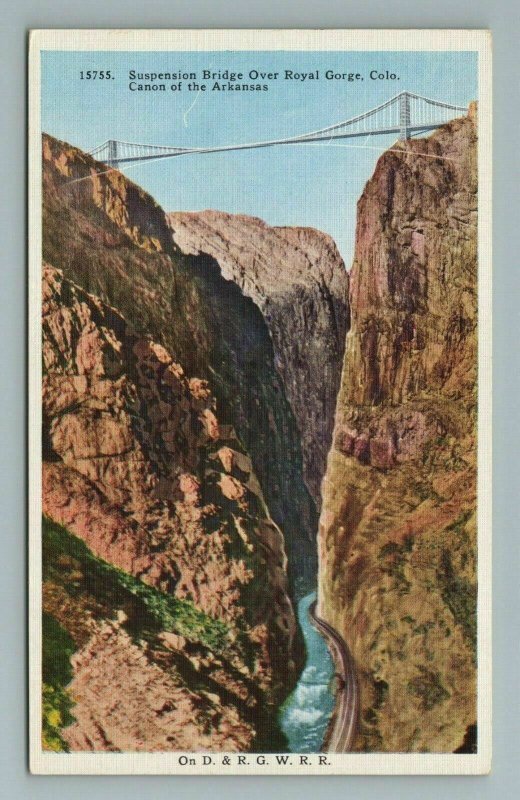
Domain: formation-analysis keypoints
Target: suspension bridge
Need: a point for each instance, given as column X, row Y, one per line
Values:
column 406, row 114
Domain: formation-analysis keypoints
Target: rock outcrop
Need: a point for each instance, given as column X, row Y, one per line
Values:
column 298, row 280
column 137, row 467
column 173, row 484
column 109, row 237
column 397, row 540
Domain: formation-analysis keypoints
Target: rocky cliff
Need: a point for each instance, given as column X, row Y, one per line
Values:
column 180, row 596
column 397, row 539
column 111, row 238
column 168, row 620
column 297, row 279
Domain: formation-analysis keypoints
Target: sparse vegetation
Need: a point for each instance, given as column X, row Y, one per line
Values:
column 394, row 556
column 428, row 688
column 461, row 598
column 149, row 610
column 57, row 648
column 56, row 714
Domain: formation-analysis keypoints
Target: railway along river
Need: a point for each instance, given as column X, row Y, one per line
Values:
column 305, row 714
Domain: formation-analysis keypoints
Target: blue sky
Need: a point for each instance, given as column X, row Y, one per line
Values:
column 311, row 186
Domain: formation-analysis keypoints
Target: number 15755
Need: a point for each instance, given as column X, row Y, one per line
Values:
column 96, row 74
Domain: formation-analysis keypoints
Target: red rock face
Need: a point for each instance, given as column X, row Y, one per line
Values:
column 398, row 526
column 394, row 438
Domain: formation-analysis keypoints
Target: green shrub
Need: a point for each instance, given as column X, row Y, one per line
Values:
column 57, row 648
column 56, row 714
column 152, row 610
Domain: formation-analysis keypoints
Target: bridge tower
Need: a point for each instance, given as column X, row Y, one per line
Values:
column 112, row 153
column 404, row 116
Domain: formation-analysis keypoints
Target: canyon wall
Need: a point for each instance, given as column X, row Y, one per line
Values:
column 161, row 562
column 297, row 279
column 168, row 618
column 397, row 539
column 122, row 251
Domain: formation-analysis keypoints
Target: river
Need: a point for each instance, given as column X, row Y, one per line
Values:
column 305, row 714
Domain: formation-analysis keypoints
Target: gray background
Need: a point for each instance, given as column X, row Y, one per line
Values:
column 502, row 18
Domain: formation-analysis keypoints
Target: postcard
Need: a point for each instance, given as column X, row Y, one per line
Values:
column 260, row 402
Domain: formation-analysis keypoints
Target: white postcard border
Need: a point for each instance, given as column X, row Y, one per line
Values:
column 42, row 762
